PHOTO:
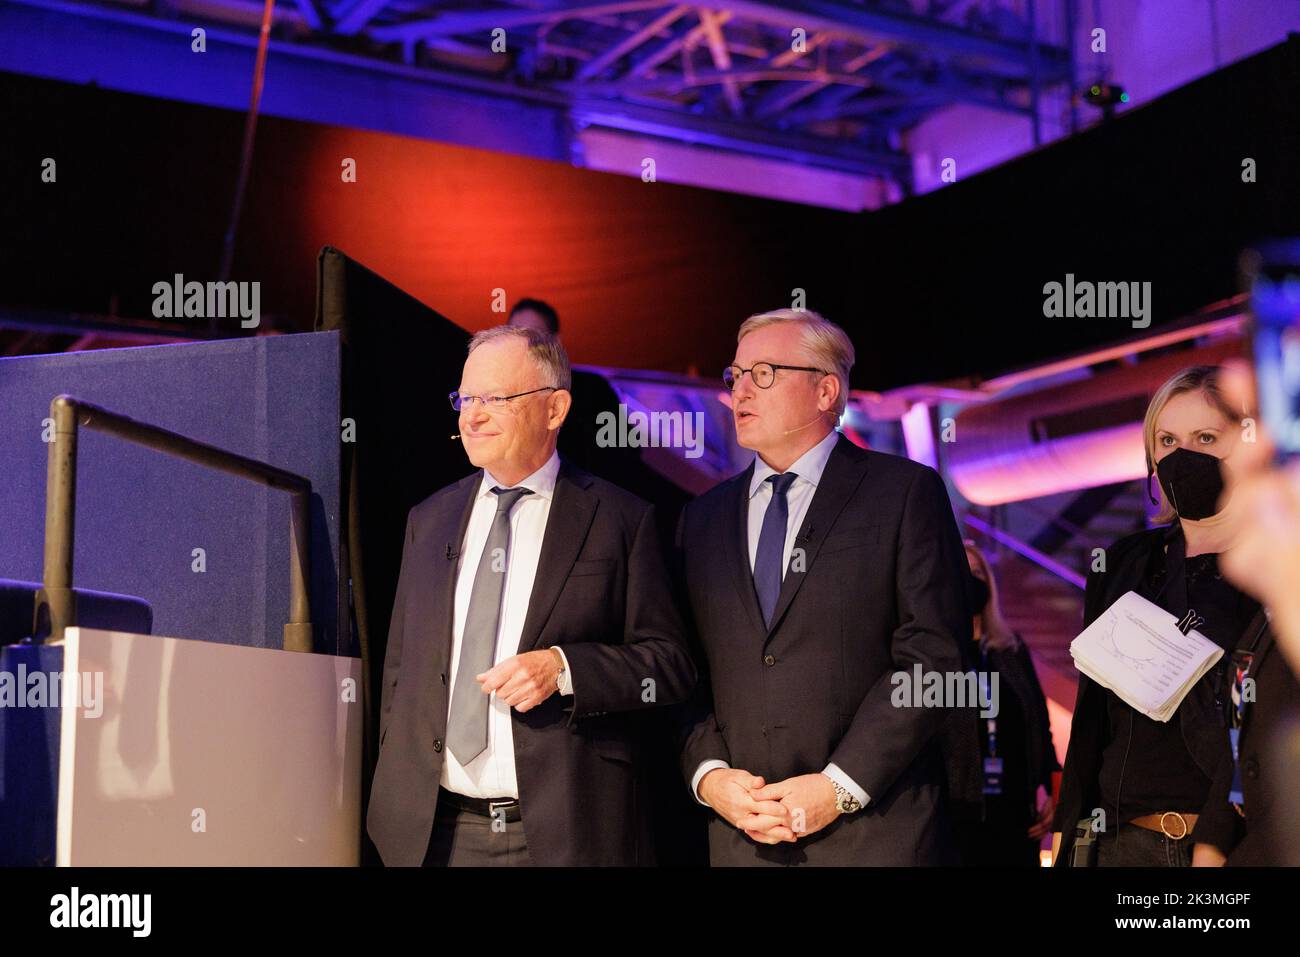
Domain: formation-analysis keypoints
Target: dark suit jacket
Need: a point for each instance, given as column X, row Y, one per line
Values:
column 1270, row 830
column 602, row 593
column 883, row 589
column 1201, row 720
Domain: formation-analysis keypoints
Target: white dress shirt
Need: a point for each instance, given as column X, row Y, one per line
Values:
column 808, row 467
column 492, row 773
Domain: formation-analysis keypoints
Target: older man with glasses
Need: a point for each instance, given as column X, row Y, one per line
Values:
column 814, row 578
column 533, row 616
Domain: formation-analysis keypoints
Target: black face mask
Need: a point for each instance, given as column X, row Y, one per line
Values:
column 978, row 592
column 1193, row 482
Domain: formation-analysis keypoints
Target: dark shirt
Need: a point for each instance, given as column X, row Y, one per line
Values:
column 1011, row 809
column 992, row 829
column 1146, row 767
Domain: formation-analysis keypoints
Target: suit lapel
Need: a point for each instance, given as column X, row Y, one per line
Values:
column 572, row 510
column 735, row 548
column 1260, row 646
column 840, row 479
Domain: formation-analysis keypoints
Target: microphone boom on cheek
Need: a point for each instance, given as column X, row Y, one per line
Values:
column 805, row 425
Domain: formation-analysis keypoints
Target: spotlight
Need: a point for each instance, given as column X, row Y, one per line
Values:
column 1105, row 95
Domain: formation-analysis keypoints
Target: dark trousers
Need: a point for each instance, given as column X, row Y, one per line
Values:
column 1135, row 846
column 464, row 839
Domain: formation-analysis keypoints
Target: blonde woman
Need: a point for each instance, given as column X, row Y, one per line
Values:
column 1000, row 770
column 1154, row 780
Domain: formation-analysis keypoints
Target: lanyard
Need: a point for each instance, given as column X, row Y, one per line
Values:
column 990, row 723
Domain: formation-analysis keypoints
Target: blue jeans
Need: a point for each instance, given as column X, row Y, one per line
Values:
column 1135, row 846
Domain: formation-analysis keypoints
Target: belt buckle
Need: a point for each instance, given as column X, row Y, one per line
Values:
column 493, row 805
column 1183, row 820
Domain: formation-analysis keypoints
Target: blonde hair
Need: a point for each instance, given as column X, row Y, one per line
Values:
column 544, row 349
column 828, row 344
column 1203, row 379
column 999, row 635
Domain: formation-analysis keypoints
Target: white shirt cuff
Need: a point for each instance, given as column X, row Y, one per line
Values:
column 704, row 768
column 566, row 677
column 843, row 780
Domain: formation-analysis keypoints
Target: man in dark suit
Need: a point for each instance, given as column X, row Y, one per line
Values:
column 533, row 615
column 818, row 579
column 1250, row 822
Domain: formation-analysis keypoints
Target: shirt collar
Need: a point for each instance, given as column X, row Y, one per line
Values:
column 808, row 467
column 541, row 482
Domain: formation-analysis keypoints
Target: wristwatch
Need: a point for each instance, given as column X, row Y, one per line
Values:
column 844, row 801
column 559, row 675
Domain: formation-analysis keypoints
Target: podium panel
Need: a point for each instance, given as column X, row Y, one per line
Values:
column 182, row 752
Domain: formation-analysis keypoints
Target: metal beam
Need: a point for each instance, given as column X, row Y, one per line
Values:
column 621, row 49
column 311, row 14
column 357, row 16
column 875, row 105
column 676, row 83
column 721, row 57
column 647, row 62
column 828, row 105
column 954, row 89
column 521, row 119
column 871, row 24
column 785, row 95
column 481, row 21
column 734, row 135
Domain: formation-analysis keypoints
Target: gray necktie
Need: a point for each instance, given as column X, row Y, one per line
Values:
column 467, row 727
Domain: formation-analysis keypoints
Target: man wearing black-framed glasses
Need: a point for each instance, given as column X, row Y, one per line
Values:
column 812, row 579
column 533, row 612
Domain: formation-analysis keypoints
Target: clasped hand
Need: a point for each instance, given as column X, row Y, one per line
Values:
column 771, row 813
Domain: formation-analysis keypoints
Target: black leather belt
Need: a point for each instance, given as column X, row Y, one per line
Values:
column 494, row 808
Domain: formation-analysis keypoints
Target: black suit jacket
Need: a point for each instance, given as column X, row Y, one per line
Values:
column 1270, row 831
column 882, row 590
column 602, row 593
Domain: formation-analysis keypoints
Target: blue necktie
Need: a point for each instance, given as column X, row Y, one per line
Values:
column 769, row 563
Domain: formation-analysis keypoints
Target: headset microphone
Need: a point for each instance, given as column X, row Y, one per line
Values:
column 805, row 425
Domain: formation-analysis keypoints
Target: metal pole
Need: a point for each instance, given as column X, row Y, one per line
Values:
column 297, row 630
column 55, row 604
column 56, row 608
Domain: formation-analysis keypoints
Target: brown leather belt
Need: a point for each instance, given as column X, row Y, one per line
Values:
column 1172, row 824
column 498, row 808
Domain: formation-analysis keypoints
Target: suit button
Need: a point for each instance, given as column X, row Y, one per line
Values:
column 437, row 744
column 443, row 677
column 1252, row 768
column 769, row 660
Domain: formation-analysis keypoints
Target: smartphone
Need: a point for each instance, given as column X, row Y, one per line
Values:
column 1271, row 274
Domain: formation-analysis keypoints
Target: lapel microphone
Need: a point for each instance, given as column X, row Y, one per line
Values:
column 450, row 553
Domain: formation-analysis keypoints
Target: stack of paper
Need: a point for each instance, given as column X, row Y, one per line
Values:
column 1135, row 649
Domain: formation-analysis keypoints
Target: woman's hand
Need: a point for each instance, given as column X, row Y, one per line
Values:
column 1207, row 855
column 1046, row 811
